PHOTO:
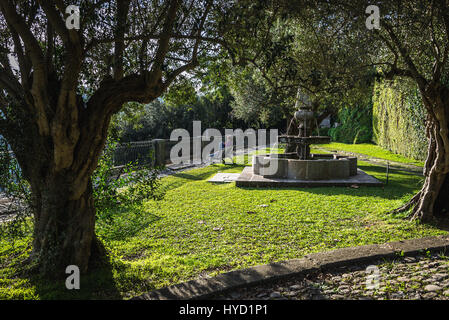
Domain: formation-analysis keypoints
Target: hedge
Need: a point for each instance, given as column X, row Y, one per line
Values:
column 355, row 124
column 399, row 118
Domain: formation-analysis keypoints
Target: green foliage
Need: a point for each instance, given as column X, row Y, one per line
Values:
column 254, row 102
column 322, row 132
column 182, row 92
column 159, row 118
column 104, row 184
column 399, row 119
column 355, row 125
column 14, row 187
column 277, row 53
column 126, row 186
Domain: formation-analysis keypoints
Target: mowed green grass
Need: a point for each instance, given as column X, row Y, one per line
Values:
column 201, row 229
column 371, row 150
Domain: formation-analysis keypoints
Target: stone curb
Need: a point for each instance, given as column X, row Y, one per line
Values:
column 204, row 288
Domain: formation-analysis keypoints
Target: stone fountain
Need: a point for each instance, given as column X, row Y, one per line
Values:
column 302, row 168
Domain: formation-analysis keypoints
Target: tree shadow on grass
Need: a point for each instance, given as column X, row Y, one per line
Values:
column 97, row 284
column 400, row 184
column 440, row 222
column 128, row 223
column 382, row 171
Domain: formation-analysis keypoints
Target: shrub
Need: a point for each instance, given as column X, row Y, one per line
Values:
column 127, row 185
column 355, row 125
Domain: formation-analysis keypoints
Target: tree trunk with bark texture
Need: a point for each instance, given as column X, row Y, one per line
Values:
column 433, row 198
column 64, row 228
column 56, row 136
column 59, row 171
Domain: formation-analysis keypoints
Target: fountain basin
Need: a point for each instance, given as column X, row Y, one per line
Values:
column 304, row 140
column 319, row 167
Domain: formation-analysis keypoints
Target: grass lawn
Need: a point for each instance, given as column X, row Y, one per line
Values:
column 371, row 150
column 201, row 229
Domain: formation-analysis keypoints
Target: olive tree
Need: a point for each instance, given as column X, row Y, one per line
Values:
column 60, row 86
column 410, row 39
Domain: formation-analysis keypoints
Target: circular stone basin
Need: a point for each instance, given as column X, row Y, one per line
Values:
column 304, row 140
column 320, row 167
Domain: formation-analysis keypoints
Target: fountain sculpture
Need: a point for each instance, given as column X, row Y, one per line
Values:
column 302, row 168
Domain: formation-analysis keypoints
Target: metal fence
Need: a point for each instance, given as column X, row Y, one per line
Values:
column 157, row 151
column 140, row 152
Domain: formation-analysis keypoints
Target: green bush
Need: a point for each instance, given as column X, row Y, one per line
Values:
column 355, row 125
column 399, row 119
column 124, row 186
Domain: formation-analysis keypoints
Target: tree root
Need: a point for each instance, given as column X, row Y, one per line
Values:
column 412, row 202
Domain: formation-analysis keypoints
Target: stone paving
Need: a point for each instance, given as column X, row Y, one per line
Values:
column 424, row 277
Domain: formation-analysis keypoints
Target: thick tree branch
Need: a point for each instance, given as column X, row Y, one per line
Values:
column 193, row 61
column 19, row 25
column 10, row 84
column 172, row 76
column 40, row 79
column 405, row 55
column 55, row 19
column 122, row 12
column 50, row 48
column 24, row 62
column 165, row 36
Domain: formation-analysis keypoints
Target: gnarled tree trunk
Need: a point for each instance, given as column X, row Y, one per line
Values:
column 55, row 134
column 64, row 227
column 59, row 171
column 433, row 199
